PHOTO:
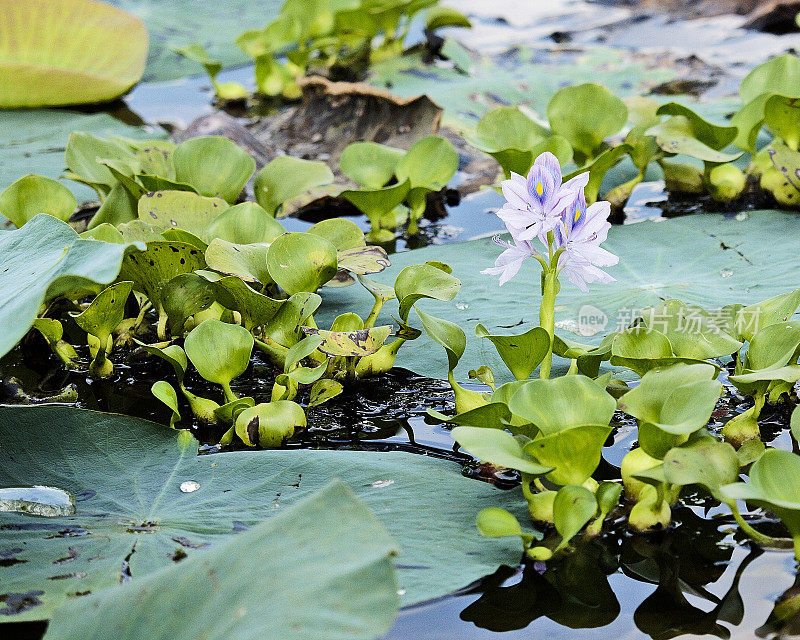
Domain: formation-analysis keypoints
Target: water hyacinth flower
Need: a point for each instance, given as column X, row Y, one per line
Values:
column 557, row 214
column 534, row 205
column 509, row 262
column 579, row 236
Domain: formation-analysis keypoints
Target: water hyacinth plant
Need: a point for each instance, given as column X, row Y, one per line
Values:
column 541, row 210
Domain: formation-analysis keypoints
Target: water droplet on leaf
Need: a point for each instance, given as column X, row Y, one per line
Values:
column 189, row 486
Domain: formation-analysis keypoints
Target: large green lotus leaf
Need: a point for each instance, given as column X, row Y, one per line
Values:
column 37, row 138
column 338, row 592
column 133, row 517
column 512, row 77
column 688, row 258
column 180, row 210
column 67, row 52
column 214, row 166
column 45, row 259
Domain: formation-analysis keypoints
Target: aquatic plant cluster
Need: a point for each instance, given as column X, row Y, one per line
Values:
column 334, row 37
column 187, row 265
column 226, row 277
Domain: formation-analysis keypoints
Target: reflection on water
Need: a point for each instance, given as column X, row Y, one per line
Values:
column 692, row 581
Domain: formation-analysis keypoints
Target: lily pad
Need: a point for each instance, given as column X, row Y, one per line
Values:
column 43, row 52
column 337, row 592
column 43, row 260
column 132, row 518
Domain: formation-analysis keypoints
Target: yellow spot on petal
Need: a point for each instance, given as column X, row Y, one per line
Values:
column 577, row 214
column 539, row 188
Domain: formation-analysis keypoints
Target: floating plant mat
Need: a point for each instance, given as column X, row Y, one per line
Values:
column 33, row 141
column 710, row 260
column 132, row 517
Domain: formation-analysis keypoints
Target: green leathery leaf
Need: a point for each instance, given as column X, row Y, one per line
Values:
column 106, row 311
column 138, row 231
column 270, row 424
column 301, row 262
column 284, row 327
column 447, row 334
column 256, row 308
column 44, row 260
column 363, row 260
column 370, row 164
column 219, row 351
column 34, row 194
column 574, row 452
column 752, row 318
column 492, row 415
column 774, row 76
column 338, row 594
column 573, row 507
column 677, row 135
column 214, row 166
column 104, row 232
column 692, row 332
column 81, row 158
column 494, row 522
column 119, row 207
column 165, row 392
column 562, row 403
column 238, row 487
column 323, row 390
column 244, row 223
column 43, row 47
column 183, row 296
column 714, row 136
column 677, row 399
column 179, row 235
column 341, row 233
column 180, row 210
column 285, row 178
column 423, row 281
column 497, row 447
column 782, row 116
column 173, row 354
column 246, row 261
column 376, row 203
column 586, row 115
column 521, row 353
column 428, row 164
column 706, row 462
column 159, row 263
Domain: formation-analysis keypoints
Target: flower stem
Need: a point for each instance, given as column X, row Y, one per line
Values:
column 547, row 317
